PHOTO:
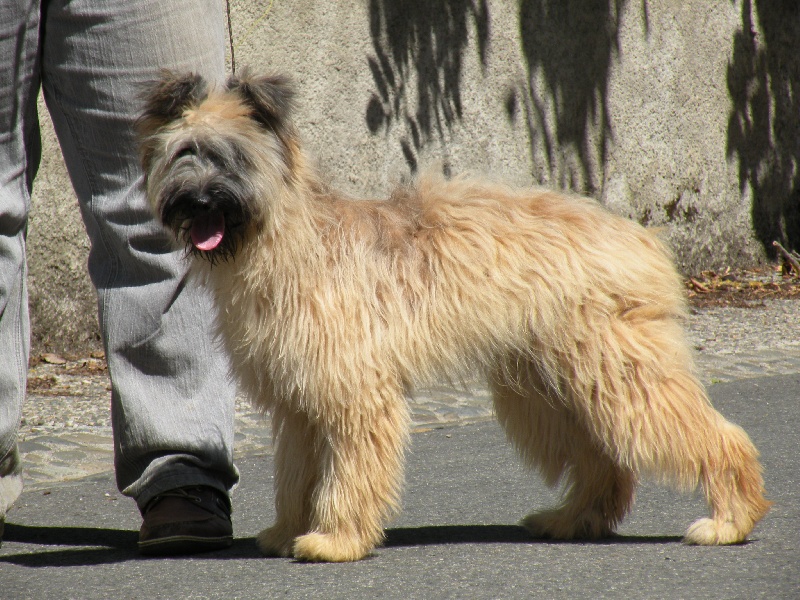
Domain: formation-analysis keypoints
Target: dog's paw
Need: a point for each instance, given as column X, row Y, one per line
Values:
column 707, row 532
column 274, row 541
column 561, row 525
column 321, row 547
column 538, row 525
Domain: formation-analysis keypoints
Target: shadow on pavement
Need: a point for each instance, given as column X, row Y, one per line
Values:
column 70, row 536
column 498, row 534
column 95, row 546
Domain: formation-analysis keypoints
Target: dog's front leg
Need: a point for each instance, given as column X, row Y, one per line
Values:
column 296, row 476
column 360, row 476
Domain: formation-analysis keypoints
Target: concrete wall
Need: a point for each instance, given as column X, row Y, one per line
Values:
column 682, row 114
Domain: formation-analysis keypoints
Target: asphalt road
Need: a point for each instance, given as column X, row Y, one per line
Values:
column 456, row 538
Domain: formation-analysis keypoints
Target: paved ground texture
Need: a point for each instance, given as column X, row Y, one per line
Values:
column 456, row 537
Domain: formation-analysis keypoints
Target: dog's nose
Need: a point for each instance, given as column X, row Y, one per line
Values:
column 203, row 199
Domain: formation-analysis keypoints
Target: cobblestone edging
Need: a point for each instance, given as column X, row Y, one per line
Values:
column 66, row 431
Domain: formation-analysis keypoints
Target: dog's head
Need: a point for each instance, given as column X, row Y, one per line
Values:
column 214, row 157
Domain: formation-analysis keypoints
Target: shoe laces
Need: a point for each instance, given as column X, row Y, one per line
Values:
column 205, row 497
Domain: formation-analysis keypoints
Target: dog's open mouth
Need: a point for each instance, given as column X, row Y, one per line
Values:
column 208, row 230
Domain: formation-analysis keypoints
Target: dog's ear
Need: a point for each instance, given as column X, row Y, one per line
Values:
column 167, row 99
column 270, row 96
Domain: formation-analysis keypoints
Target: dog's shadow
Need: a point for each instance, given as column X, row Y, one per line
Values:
column 444, row 535
column 86, row 546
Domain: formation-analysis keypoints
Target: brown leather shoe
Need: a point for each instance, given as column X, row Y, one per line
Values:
column 185, row 521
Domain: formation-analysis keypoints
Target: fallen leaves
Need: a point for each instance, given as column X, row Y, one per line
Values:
column 93, row 364
column 53, row 359
column 745, row 288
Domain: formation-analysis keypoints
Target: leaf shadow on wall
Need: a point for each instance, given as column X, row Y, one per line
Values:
column 569, row 47
column 419, row 48
column 764, row 124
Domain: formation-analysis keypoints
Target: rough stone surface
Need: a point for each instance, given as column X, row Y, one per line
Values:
column 681, row 115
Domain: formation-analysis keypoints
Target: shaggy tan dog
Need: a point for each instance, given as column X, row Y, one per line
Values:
column 334, row 309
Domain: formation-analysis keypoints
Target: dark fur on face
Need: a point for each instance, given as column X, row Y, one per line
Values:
column 165, row 101
column 208, row 181
column 199, row 172
column 270, row 97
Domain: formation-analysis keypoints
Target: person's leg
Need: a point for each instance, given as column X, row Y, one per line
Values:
column 172, row 399
column 19, row 158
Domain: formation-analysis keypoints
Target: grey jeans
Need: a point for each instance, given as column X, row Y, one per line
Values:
column 172, row 398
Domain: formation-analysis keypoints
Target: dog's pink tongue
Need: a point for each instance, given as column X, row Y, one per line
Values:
column 207, row 231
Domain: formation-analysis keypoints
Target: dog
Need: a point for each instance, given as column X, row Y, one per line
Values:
column 334, row 309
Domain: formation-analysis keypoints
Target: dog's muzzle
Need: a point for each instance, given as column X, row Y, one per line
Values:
column 210, row 218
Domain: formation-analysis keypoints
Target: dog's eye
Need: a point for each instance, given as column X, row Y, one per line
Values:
column 184, row 152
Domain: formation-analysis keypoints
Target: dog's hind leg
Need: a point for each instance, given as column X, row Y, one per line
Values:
column 296, row 474
column 687, row 441
column 360, row 475
column 649, row 412
column 734, row 489
column 598, row 492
